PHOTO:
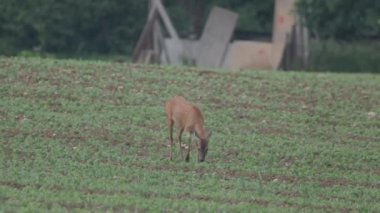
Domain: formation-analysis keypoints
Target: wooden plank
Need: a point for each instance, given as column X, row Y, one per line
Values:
column 162, row 54
column 216, row 37
column 148, row 56
column 306, row 49
column 157, row 48
column 192, row 49
column 283, row 22
column 190, row 45
column 249, row 55
column 176, row 56
column 150, row 5
column 298, row 46
column 165, row 19
column 145, row 35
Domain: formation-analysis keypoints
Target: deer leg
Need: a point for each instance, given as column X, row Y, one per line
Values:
column 199, row 148
column 170, row 124
column 179, row 136
column 188, row 149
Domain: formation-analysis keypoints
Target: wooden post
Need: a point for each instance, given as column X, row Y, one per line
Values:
column 288, row 54
column 306, row 49
column 301, row 44
column 178, row 54
column 283, row 22
column 145, row 35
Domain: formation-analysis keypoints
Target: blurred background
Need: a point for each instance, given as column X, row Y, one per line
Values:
column 345, row 34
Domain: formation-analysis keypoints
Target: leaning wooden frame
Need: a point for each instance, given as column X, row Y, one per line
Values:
column 209, row 51
column 151, row 47
column 214, row 49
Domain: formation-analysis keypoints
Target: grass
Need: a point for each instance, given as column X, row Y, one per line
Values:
column 91, row 136
column 356, row 56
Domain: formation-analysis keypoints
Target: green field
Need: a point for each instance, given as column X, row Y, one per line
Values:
column 92, row 136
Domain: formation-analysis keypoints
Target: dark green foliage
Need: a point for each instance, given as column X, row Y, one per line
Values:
column 88, row 27
column 70, row 26
column 345, row 56
column 342, row 19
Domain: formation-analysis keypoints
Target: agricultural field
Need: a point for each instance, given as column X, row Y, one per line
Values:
column 92, row 136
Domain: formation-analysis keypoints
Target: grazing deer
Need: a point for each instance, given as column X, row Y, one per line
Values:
column 188, row 118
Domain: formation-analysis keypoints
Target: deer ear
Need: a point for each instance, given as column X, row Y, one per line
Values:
column 209, row 135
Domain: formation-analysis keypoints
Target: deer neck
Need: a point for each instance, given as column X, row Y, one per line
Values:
column 200, row 130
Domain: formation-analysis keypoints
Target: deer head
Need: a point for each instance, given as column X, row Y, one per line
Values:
column 203, row 147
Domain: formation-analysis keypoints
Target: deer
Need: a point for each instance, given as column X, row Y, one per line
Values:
column 187, row 118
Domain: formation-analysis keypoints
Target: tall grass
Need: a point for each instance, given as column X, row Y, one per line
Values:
column 359, row 56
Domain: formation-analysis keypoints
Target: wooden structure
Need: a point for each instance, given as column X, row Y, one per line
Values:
column 159, row 42
column 216, row 38
column 288, row 49
column 151, row 47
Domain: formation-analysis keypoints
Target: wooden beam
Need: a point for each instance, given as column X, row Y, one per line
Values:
column 165, row 19
column 149, row 36
column 283, row 23
column 216, row 37
column 176, row 56
column 146, row 33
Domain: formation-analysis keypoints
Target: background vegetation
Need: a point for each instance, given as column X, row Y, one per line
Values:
column 74, row 28
column 82, row 135
column 92, row 136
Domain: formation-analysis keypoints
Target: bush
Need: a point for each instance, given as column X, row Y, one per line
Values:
column 71, row 26
column 359, row 56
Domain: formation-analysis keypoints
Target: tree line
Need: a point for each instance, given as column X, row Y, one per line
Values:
column 113, row 26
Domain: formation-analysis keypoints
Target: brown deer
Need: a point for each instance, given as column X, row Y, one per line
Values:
column 188, row 118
